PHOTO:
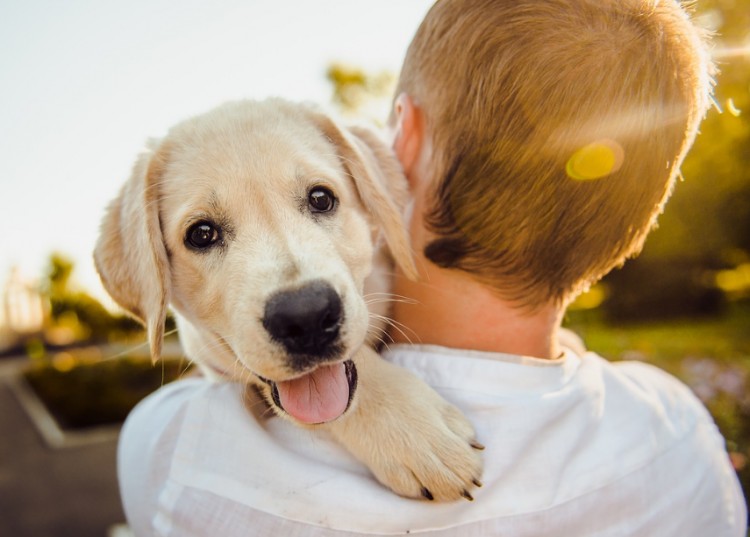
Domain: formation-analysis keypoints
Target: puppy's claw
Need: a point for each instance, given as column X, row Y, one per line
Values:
column 468, row 496
column 477, row 483
column 476, row 445
column 431, row 452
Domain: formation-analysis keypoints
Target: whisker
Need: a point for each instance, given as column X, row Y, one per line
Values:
column 383, row 342
column 397, row 326
column 186, row 367
column 254, row 401
column 379, row 297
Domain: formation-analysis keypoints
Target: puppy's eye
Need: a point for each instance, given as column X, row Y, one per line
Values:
column 202, row 235
column 321, row 200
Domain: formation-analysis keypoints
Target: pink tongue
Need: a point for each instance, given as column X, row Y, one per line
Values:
column 320, row 396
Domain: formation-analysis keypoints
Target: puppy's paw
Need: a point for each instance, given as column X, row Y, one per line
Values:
column 412, row 440
column 437, row 456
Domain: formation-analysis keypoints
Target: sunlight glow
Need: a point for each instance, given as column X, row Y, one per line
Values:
column 725, row 53
column 64, row 362
column 591, row 299
column 734, row 280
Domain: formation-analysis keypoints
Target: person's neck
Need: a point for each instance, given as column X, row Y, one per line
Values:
column 448, row 308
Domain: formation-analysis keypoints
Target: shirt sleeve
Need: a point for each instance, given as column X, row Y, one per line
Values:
column 717, row 494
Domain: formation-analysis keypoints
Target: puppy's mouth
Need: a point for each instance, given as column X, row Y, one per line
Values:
column 319, row 396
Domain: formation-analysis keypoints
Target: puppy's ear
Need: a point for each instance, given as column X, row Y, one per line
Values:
column 380, row 182
column 130, row 255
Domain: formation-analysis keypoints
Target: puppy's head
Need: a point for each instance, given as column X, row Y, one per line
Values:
column 257, row 222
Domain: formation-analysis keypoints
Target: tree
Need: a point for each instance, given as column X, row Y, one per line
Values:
column 75, row 315
column 359, row 93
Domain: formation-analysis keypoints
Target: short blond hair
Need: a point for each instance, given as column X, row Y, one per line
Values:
column 514, row 94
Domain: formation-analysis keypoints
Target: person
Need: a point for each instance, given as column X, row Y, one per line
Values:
column 540, row 139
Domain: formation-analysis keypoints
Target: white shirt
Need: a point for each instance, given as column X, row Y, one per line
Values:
column 574, row 447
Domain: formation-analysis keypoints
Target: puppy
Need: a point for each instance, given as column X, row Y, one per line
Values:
column 267, row 227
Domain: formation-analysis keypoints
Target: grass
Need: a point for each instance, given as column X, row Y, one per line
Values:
column 725, row 339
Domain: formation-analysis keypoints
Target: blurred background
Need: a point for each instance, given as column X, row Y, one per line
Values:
column 85, row 84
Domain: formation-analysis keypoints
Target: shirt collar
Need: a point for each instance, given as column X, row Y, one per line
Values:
column 444, row 367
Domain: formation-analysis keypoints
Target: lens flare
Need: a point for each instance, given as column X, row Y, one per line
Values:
column 595, row 160
column 730, row 52
column 732, row 108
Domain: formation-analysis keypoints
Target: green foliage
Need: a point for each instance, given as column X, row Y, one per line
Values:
column 354, row 90
column 58, row 274
column 90, row 394
column 78, row 312
column 661, row 288
column 723, row 338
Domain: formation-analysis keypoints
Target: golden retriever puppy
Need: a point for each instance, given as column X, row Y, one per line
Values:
column 266, row 227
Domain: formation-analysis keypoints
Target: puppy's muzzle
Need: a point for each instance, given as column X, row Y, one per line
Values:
column 306, row 321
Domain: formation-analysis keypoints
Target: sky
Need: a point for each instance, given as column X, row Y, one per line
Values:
column 84, row 83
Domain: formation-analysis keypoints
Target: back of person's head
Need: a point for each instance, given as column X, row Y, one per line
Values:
column 558, row 128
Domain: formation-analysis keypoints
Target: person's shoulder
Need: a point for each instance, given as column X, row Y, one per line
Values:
column 686, row 446
column 652, row 383
column 646, row 382
column 174, row 393
column 160, row 415
column 147, row 440
column 658, row 406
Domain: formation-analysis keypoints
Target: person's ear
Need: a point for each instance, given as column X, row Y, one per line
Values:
column 408, row 134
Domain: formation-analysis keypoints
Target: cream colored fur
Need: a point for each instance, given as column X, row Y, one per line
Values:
column 249, row 165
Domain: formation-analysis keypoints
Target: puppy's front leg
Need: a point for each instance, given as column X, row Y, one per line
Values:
column 412, row 440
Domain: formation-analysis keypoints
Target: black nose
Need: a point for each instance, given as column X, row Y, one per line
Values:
column 305, row 320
